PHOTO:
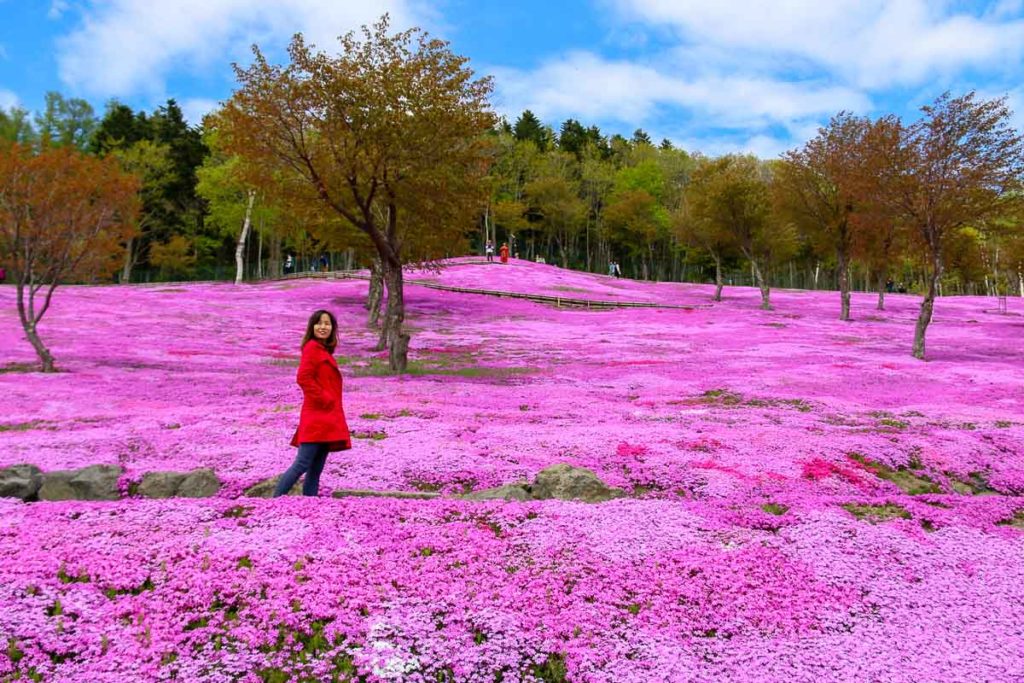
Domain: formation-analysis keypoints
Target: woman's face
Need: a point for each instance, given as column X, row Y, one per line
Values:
column 322, row 328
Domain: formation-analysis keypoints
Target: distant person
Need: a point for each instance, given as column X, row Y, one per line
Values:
column 289, row 265
column 323, row 262
column 489, row 251
column 503, row 253
column 539, row 259
column 890, row 286
column 322, row 425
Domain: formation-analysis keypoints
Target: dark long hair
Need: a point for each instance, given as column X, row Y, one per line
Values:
column 332, row 341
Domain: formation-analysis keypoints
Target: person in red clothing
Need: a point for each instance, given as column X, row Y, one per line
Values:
column 322, row 425
column 503, row 252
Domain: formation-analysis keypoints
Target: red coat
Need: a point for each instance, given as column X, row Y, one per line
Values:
column 322, row 419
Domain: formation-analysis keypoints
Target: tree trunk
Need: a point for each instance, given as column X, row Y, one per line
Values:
column 392, row 337
column 766, row 304
column 274, row 262
column 817, row 271
column 28, row 323
column 718, row 277
column 126, row 270
column 925, row 316
column 883, row 275
column 376, row 292
column 240, row 248
column 844, row 284
column 259, row 251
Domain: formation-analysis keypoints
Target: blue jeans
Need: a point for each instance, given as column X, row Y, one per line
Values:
column 310, row 461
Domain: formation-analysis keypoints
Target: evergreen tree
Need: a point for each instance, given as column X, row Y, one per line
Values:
column 119, row 128
column 529, row 127
column 640, row 137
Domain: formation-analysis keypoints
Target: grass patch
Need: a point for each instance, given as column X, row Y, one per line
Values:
column 419, row 368
column 1017, row 521
column 1003, row 424
column 906, row 479
column 796, row 403
column 18, row 367
column 25, row 426
column 237, row 512
column 876, row 513
column 551, row 670
column 976, row 484
column 775, row 508
column 375, row 436
column 284, row 362
column 721, row 396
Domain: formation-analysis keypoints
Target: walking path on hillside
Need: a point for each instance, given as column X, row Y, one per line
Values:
column 559, row 301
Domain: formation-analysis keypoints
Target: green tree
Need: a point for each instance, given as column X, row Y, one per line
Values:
column 555, row 203
column 152, row 165
column 529, row 127
column 959, row 164
column 66, row 122
column 640, row 137
column 120, row 127
column 699, row 223
column 820, row 185
column 737, row 201
column 390, row 135
column 16, row 126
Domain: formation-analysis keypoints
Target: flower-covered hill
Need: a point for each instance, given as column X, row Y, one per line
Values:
column 806, row 502
column 700, row 401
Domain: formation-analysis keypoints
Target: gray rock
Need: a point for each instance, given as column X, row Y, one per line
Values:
column 517, row 491
column 265, row 489
column 200, row 483
column 160, row 484
column 95, row 482
column 565, row 482
column 20, row 481
column 367, row 493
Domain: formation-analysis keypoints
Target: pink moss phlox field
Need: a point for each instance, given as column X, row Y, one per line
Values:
column 768, row 534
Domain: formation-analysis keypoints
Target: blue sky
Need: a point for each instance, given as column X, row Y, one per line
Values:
column 712, row 76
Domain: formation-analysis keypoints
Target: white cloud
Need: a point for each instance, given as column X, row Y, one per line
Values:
column 194, row 109
column 8, row 99
column 123, row 47
column 871, row 43
column 583, row 85
column 57, row 9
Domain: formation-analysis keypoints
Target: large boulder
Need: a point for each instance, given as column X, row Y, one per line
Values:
column 565, row 482
column 561, row 481
column 517, row 491
column 200, row 483
column 20, row 481
column 160, row 484
column 95, row 482
column 265, row 489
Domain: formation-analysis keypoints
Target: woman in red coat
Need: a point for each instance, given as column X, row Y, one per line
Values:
column 322, row 426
